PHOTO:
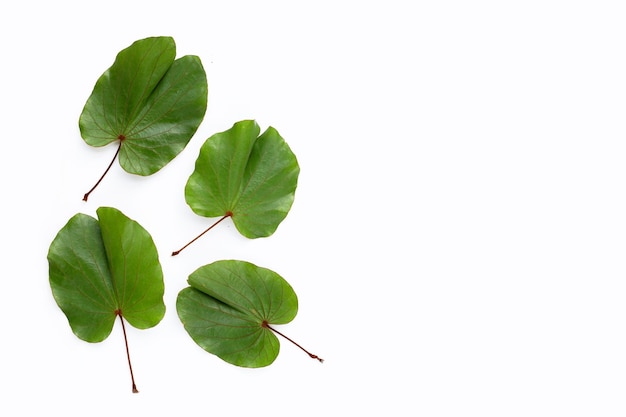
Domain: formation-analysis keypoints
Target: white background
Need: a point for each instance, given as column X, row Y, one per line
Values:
column 458, row 236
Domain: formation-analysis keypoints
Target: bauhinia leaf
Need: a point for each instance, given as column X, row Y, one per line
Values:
column 103, row 269
column 249, row 178
column 229, row 308
column 148, row 102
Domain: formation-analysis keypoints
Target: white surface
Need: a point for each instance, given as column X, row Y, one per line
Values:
column 458, row 236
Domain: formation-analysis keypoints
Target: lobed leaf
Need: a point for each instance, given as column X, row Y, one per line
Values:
column 99, row 269
column 248, row 177
column 149, row 101
column 227, row 307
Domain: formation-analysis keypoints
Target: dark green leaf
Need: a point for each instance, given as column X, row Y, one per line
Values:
column 147, row 101
column 229, row 307
column 105, row 268
column 247, row 177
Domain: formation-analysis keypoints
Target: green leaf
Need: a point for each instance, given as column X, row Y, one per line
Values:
column 105, row 268
column 247, row 177
column 147, row 101
column 229, row 308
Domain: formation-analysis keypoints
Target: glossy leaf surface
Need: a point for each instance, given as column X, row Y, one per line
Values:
column 103, row 268
column 148, row 101
column 227, row 307
column 248, row 177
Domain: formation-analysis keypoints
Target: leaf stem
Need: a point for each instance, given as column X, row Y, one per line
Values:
column 228, row 214
column 266, row 324
column 130, row 366
column 121, row 138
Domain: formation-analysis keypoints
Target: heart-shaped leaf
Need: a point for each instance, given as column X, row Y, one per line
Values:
column 147, row 101
column 249, row 178
column 229, row 308
column 106, row 268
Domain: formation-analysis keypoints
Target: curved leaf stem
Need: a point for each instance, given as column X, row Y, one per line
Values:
column 86, row 196
column 266, row 324
column 130, row 366
column 228, row 214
